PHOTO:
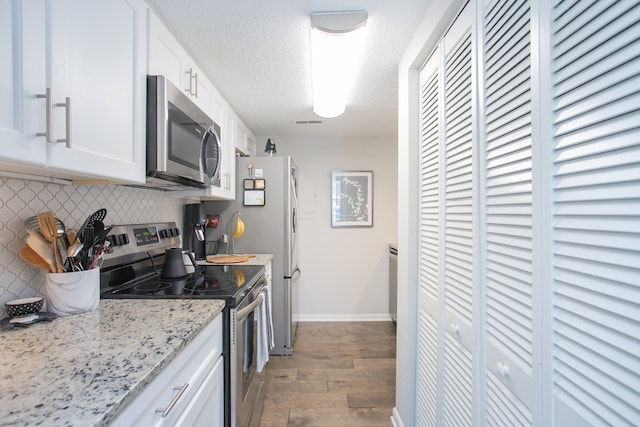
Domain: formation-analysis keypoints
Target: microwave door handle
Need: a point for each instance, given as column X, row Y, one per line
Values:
column 203, row 151
column 244, row 312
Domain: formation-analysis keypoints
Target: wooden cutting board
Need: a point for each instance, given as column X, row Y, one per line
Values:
column 228, row 259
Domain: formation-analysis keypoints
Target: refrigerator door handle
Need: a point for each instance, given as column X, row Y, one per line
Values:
column 293, row 274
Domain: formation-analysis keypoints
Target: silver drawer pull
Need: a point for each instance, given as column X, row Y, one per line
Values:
column 174, row 401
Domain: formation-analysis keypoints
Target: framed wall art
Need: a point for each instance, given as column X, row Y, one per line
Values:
column 351, row 198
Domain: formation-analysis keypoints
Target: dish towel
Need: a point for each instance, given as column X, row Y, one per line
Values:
column 265, row 330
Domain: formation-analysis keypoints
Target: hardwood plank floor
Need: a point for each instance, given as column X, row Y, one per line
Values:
column 341, row 374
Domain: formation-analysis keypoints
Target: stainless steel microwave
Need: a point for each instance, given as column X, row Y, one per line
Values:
column 183, row 142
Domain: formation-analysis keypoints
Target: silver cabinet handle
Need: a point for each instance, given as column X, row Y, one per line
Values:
column 196, row 86
column 188, row 88
column 192, row 76
column 174, row 401
column 49, row 107
column 67, row 105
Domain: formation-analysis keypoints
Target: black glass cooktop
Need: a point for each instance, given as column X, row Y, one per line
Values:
column 227, row 282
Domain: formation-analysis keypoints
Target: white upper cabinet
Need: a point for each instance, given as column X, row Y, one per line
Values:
column 167, row 57
column 22, row 82
column 76, row 79
column 245, row 140
column 98, row 87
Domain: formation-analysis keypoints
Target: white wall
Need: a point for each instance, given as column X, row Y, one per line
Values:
column 344, row 270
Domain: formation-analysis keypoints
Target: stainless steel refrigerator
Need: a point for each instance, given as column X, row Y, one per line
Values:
column 266, row 199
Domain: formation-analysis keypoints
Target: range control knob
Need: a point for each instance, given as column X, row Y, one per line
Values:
column 163, row 234
column 119, row 240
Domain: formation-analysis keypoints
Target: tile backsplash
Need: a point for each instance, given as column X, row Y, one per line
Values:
column 21, row 199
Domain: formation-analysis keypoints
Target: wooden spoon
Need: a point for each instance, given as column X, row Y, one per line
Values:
column 48, row 229
column 32, row 257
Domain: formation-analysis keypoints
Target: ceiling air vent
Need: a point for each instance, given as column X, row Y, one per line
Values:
column 308, row 122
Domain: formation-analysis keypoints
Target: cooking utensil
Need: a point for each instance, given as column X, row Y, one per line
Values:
column 56, row 254
column 72, row 252
column 43, row 248
column 48, row 228
column 31, row 224
column 61, row 242
column 74, row 249
column 32, row 257
column 100, row 235
column 98, row 215
column 72, row 237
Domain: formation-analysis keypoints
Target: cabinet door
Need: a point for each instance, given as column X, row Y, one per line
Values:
column 206, row 408
column 98, row 81
column 22, row 81
column 199, row 88
column 166, row 56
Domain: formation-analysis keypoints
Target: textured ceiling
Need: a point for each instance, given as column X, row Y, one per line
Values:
column 257, row 54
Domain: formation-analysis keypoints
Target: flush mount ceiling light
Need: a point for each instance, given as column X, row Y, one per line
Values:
column 336, row 44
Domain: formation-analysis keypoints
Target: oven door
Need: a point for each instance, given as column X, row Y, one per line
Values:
column 248, row 382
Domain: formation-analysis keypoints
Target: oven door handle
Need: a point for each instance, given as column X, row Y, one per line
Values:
column 244, row 312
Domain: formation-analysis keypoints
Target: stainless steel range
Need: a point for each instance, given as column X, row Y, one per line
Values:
column 133, row 268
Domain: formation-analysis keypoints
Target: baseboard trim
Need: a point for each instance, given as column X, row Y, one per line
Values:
column 344, row 318
column 396, row 421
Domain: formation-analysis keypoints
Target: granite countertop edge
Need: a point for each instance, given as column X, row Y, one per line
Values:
column 83, row 370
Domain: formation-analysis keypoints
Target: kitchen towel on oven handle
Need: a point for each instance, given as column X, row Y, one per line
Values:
column 265, row 330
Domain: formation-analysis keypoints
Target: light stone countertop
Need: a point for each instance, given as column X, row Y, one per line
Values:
column 82, row 370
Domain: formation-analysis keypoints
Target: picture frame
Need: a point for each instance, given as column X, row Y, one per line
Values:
column 254, row 198
column 351, row 198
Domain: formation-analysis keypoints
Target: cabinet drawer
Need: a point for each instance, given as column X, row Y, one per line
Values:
column 168, row 394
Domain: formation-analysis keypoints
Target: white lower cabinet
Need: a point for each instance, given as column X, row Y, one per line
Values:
column 207, row 406
column 190, row 389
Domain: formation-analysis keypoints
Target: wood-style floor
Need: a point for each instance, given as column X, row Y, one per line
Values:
column 341, row 374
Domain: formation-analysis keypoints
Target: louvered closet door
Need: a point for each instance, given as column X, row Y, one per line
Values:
column 427, row 392
column 507, row 212
column 457, row 222
column 445, row 336
column 596, row 234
